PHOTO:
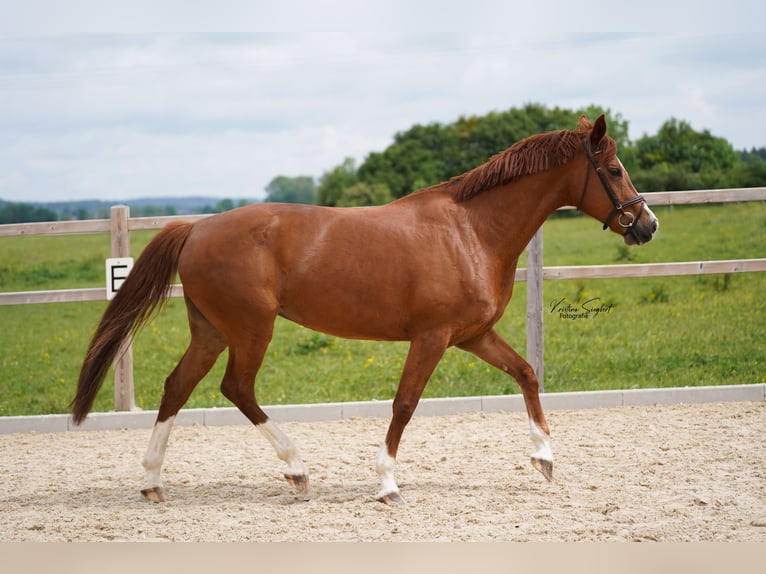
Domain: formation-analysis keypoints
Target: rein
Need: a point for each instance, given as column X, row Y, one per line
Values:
column 624, row 218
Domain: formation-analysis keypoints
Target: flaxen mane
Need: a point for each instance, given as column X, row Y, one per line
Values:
column 526, row 157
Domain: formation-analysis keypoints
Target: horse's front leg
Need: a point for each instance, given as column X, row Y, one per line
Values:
column 491, row 348
column 424, row 354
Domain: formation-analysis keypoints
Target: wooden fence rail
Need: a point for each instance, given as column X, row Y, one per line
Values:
column 121, row 224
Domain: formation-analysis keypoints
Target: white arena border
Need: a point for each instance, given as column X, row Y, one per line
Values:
column 382, row 409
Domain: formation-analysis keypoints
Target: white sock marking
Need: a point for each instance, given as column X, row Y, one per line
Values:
column 384, row 466
column 155, row 453
column 286, row 449
column 542, row 442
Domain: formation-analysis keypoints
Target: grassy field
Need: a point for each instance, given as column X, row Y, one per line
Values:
column 659, row 332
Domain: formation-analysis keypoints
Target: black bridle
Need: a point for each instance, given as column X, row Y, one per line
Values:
column 624, row 218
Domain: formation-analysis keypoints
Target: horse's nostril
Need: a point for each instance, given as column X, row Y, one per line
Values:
column 654, row 226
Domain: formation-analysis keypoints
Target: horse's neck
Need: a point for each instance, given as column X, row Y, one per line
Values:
column 507, row 217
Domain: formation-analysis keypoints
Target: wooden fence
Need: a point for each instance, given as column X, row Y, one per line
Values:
column 121, row 224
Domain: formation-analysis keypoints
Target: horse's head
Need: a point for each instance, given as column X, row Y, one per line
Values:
column 611, row 196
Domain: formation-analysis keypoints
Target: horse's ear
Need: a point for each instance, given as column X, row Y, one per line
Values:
column 598, row 132
column 584, row 124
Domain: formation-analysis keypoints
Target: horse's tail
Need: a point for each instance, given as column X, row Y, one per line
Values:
column 141, row 295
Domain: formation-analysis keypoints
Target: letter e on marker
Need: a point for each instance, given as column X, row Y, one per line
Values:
column 117, row 269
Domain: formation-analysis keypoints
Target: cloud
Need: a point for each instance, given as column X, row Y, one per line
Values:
column 698, row 104
column 120, row 116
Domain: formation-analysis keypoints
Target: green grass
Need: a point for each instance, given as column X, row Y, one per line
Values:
column 660, row 332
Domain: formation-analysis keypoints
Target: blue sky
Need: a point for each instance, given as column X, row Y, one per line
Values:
column 109, row 111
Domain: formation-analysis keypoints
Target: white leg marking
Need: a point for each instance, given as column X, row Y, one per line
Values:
column 286, row 450
column 384, row 466
column 155, row 453
column 542, row 442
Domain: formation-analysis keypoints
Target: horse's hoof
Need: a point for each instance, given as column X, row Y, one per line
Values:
column 154, row 494
column 544, row 466
column 299, row 482
column 392, row 499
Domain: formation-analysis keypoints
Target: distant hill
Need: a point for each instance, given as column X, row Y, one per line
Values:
column 182, row 205
column 98, row 209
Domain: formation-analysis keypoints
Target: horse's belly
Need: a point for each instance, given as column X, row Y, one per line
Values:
column 348, row 313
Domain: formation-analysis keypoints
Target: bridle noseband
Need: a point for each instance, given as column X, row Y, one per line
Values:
column 624, row 218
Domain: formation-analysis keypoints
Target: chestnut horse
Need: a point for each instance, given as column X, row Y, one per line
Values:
column 435, row 268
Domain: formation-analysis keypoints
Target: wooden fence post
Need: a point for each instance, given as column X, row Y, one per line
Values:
column 124, row 397
column 535, row 305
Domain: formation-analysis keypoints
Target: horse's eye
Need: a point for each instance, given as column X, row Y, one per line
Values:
column 615, row 171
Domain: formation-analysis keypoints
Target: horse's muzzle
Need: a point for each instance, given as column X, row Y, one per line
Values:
column 643, row 230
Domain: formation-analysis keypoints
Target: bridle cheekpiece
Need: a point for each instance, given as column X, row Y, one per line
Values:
column 624, row 218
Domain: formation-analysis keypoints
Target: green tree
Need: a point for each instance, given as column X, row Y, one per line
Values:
column 421, row 156
column 25, row 213
column 365, row 194
column 426, row 155
column 147, row 211
column 224, row 205
column 751, row 171
column 283, row 189
column 679, row 157
column 219, row 207
column 334, row 182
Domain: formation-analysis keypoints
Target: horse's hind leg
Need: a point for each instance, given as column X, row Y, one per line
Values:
column 491, row 348
column 238, row 386
column 206, row 345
